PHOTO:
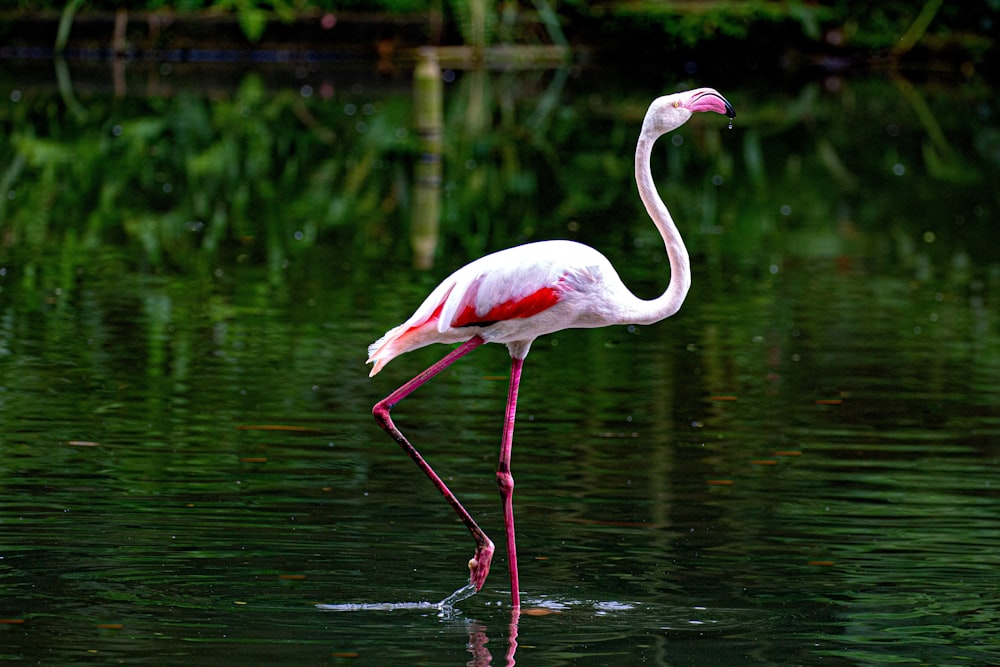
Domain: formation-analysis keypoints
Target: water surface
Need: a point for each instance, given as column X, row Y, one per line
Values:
column 800, row 467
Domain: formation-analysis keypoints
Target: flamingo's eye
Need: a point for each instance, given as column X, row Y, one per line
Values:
column 677, row 105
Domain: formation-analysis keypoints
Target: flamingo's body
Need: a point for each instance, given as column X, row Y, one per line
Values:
column 516, row 295
column 513, row 296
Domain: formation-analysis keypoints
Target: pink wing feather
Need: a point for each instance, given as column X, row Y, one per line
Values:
column 499, row 287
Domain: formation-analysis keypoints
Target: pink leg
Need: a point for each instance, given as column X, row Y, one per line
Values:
column 506, row 481
column 479, row 566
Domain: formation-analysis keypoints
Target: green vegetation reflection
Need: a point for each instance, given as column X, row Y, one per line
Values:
column 183, row 181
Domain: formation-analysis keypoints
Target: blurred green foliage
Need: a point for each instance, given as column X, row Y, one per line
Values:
column 253, row 15
column 185, row 181
column 280, row 7
column 691, row 22
column 184, row 177
column 824, row 24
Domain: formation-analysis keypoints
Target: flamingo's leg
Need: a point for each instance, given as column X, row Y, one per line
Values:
column 505, row 481
column 479, row 565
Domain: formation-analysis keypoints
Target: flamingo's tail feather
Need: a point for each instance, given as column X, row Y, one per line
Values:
column 384, row 350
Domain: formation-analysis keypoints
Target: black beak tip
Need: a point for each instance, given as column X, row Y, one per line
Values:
column 730, row 111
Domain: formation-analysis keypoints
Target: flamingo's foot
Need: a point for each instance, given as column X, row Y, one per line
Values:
column 479, row 565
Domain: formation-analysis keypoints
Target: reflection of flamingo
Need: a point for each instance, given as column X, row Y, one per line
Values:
column 515, row 295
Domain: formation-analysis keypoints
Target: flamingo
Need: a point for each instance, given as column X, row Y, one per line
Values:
column 516, row 295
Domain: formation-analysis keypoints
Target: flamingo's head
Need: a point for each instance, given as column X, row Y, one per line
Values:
column 671, row 111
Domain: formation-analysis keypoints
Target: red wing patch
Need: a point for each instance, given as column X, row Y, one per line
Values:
column 525, row 306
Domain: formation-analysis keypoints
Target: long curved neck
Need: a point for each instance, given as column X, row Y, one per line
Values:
column 647, row 312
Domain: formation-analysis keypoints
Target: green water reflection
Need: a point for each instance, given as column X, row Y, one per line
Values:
column 799, row 467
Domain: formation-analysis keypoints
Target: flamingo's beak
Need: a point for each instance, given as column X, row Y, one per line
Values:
column 730, row 111
column 709, row 99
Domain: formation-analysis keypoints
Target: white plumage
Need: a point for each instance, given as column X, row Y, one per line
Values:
column 516, row 295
